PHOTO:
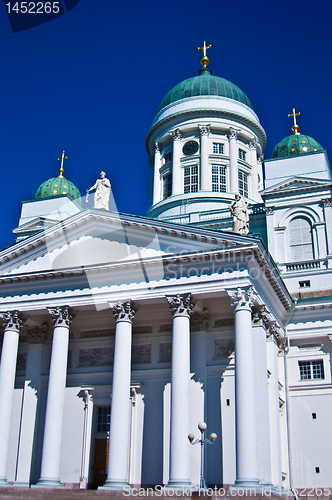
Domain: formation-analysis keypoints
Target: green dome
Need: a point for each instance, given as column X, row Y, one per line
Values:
column 205, row 84
column 57, row 186
column 295, row 145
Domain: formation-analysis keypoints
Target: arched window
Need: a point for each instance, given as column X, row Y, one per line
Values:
column 300, row 239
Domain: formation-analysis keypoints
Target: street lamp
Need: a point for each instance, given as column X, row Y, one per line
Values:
column 202, row 428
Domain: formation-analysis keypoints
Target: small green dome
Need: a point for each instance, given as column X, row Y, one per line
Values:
column 295, row 145
column 57, row 186
column 205, row 84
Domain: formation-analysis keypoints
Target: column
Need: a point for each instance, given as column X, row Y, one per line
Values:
column 259, row 319
column 118, row 451
column 156, row 174
column 245, row 414
column 233, row 155
column 177, row 187
column 254, row 173
column 13, row 323
column 327, row 208
column 50, row 465
column 272, row 358
column 179, row 473
column 204, row 131
column 36, row 338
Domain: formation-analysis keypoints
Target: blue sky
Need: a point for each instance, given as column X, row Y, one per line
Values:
column 91, row 81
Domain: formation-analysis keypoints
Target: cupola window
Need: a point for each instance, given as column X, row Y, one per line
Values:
column 167, row 185
column 243, row 183
column 300, row 239
column 218, row 148
column 219, row 178
column 191, row 179
column 242, row 155
column 168, row 157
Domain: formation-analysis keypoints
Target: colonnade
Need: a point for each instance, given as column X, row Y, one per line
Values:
column 251, row 386
column 205, row 183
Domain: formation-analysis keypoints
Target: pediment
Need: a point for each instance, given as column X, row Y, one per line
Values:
column 33, row 227
column 296, row 184
column 97, row 238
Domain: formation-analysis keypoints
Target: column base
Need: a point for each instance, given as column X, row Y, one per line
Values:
column 243, row 486
column 48, row 483
column 112, row 485
column 4, row 483
column 21, row 484
column 179, row 484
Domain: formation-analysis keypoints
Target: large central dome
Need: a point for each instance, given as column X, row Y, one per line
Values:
column 205, row 84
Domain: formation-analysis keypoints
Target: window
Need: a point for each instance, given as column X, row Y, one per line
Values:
column 243, row 183
column 167, row 185
column 219, row 178
column 242, row 155
column 218, row 148
column 168, row 157
column 300, row 239
column 304, row 284
column 191, row 179
column 103, row 419
column 311, row 370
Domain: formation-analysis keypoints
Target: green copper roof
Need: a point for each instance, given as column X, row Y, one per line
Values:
column 205, row 84
column 57, row 186
column 295, row 145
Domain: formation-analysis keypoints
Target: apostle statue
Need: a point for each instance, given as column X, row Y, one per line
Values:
column 240, row 215
column 102, row 189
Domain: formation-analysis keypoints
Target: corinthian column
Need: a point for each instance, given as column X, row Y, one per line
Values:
column 12, row 324
column 50, row 466
column 233, row 155
column 117, row 477
column 204, row 131
column 179, row 473
column 156, row 174
column 254, row 171
column 245, row 415
column 176, row 170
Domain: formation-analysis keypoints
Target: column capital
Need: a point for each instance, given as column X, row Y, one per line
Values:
column 37, row 334
column 269, row 210
column 12, row 320
column 61, row 316
column 259, row 315
column 124, row 311
column 204, row 129
column 232, row 133
column 199, row 322
column 176, row 134
column 180, row 305
column 327, row 202
column 241, row 298
column 156, row 147
column 253, row 143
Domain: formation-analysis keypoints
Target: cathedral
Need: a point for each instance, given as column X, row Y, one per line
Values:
column 122, row 333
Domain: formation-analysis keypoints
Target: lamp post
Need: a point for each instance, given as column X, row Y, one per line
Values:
column 202, row 428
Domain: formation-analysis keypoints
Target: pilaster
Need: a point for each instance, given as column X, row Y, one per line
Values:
column 204, row 131
column 156, row 174
column 176, row 170
column 233, row 157
column 254, row 174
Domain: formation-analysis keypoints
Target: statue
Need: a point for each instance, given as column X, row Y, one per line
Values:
column 102, row 194
column 240, row 215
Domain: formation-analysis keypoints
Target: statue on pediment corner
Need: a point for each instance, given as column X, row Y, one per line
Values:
column 102, row 189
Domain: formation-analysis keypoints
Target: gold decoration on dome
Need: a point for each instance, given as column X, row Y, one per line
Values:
column 204, row 60
column 295, row 127
column 61, row 170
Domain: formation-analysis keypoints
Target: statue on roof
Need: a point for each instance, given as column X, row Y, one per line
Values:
column 240, row 215
column 102, row 189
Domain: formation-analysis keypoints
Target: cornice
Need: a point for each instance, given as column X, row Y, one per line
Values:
column 258, row 128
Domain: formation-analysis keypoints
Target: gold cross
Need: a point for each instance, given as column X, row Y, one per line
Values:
column 63, row 157
column 204, row 48
column 295, row 127
column 204, row 59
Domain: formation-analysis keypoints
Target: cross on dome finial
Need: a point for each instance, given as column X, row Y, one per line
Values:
column 204, row 60
column 295, row 127
column 61, row 170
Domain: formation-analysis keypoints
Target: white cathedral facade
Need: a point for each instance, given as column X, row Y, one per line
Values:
column 122, row 333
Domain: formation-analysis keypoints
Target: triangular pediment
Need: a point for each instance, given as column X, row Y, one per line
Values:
column 296, row 184
column 96, row 238
column 33, row 226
